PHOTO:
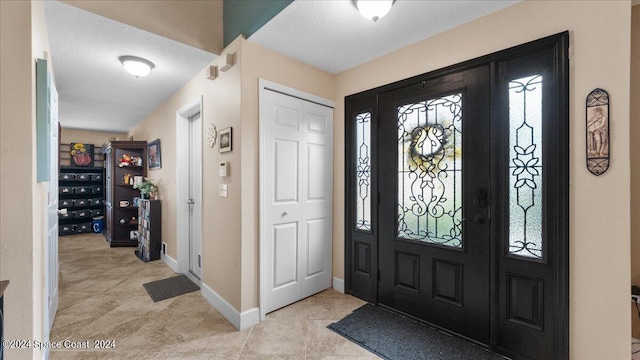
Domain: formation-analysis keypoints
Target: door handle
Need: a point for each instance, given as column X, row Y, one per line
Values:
column 285, row 213
column 191, row 202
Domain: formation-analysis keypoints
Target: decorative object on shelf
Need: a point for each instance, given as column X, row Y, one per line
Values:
column 212, row 134
column 126, row 178
column 153, row 149
column 135, row 201
column 124, row 203
column 125, row 160
column 597, row 120
column 81, row 154
column 136, row 160
column 225, row 140
column 147, row 187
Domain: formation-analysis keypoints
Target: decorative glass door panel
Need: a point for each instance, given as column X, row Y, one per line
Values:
column 525, row 156
column 430, row 171
column 363, row 171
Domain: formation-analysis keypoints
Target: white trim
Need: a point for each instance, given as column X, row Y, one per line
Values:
column 182, row 184
column 241, row 321
column 338, row 285
column 263, row 86
column 170, row 262
column 268, row 85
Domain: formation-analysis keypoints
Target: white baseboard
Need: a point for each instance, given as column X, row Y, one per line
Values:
column 338, row 285
column 239, row 320
column 171, row 262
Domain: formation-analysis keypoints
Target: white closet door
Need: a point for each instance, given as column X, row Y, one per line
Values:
column 296, row 199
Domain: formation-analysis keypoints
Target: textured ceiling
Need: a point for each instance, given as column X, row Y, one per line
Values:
column 332, row 36
column 95, row 92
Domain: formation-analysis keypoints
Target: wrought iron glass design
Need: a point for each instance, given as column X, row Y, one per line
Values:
column 525, row 163
column 363, row 171
column 430, row 171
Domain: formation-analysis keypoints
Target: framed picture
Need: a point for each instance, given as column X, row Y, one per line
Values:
column 153, row 154
column 81, row 154
column 224, row 140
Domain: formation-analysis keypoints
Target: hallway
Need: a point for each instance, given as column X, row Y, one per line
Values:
column 102, row 298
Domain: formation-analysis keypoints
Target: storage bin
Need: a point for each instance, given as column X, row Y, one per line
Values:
column 83, row 177
column 97, row 201
column 68, row 215
column 82, row 202
column 66, row 202
column 96, row 177
column 66, row 189
column 84, row 227
column 96, row 189
column 97, row 212
column 84, row 213
column 67, row 176
column 67, row 229
column 83, row 190
column 98, row 224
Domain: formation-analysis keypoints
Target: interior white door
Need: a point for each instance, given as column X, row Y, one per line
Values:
column 51, row 253
column 296, row 199
column 195, row 195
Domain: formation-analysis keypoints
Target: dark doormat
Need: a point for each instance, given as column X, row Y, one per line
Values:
column 392, row 336
column 167, row 288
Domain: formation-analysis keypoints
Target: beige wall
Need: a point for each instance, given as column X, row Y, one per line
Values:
column 23, row 38
column 230, row 228
column 599, row 206
column 193, row 22
column 221, row 216
column 259, row 62
column 635, row 159
column 97, row 138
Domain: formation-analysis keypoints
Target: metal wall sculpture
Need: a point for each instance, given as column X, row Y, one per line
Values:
column 598, row 131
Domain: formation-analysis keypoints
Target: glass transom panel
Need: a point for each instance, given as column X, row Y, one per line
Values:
column 430, row 171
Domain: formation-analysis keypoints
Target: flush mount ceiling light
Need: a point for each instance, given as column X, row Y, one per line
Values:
column 373, row 9
column 136, row 66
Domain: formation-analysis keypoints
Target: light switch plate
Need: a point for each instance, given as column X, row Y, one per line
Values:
column 223, row 190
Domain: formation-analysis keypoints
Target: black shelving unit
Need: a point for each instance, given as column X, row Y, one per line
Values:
column 149, row 230
column 81, row 193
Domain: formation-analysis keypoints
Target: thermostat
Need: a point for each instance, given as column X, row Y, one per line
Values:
column 223, row 169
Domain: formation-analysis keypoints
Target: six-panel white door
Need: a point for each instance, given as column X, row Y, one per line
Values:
column 297, row 173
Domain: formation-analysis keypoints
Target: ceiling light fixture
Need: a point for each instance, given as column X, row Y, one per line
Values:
column 136, row 66
column 374, row 9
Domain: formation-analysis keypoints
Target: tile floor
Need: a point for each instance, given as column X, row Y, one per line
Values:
column 102, row 297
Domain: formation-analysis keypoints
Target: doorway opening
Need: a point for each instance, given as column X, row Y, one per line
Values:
column 189, row 189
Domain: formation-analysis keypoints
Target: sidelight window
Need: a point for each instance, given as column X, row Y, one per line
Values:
column 363, row 171
column 525, row 167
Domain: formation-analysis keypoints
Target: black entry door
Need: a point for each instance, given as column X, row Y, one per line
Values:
column 434, row 233
column 457, row 198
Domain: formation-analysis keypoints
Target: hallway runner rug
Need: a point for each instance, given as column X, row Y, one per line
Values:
column 167, row 288
column 394, row 337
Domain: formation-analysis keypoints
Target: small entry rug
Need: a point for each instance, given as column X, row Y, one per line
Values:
column 394, row 337
column 167, row 288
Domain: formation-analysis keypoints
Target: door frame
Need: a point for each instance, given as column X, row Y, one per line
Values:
column 263, row 86
column 369, row 100
column 183, row 116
